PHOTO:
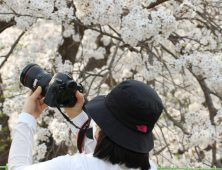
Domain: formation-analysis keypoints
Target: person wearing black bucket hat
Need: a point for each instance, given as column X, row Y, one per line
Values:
column 124, row 119
column 127, row 114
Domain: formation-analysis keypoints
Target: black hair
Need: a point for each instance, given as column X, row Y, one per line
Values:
column 108, row 150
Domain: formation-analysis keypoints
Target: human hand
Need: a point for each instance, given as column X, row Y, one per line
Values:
column 34, row 103
column 77, row 109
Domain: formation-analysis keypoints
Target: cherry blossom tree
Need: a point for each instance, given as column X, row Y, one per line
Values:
column 172, row 45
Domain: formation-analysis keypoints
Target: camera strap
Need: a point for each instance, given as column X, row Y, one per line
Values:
column 83, row 131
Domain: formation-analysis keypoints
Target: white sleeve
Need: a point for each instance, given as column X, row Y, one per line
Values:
column 152, row 165
column 88, row 144
column 20, row 156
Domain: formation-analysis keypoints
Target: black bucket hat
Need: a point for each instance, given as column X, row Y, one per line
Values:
column 127, row 114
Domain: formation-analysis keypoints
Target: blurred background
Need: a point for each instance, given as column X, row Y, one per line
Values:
column 174, row 46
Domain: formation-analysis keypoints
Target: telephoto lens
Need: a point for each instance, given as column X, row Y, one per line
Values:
column 33, row 76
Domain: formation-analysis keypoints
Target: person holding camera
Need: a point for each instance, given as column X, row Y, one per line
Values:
column 124, row 121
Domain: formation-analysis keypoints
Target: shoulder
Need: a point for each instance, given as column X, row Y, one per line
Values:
column 83, row 159
column 88, row 160
column 86, row 157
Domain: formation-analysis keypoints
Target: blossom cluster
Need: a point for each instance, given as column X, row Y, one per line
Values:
column 43, row 134
column 203, row 133
column 209, row 42
column 99, row 11
column 41, row 151
column 137, row 26
column 185, row 10
column 26, row 13
column 218, row 122
column 5, row 9
column 60, row 131
column 206, row 64
column 13, row 105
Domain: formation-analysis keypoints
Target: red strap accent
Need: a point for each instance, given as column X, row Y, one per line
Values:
column 84, row 135
column 83, row 139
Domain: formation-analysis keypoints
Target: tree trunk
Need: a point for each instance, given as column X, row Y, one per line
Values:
column 5, row 140
column 69, row 48
column 5, row 25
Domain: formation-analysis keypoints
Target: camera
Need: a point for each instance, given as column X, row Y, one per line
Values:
column 59, row 90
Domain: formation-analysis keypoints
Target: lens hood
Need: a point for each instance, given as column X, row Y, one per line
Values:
column 25, row 72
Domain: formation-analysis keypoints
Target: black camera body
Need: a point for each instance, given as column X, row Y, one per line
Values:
column 59, row 90
column 62, row 89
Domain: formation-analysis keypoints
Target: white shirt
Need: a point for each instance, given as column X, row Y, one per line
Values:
column 20, row 156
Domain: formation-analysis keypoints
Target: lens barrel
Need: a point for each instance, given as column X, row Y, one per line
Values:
column 33, row 76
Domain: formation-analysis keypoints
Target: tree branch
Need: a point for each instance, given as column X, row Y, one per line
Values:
column 216, row 94
column 159, row 151
column 11, row 50
column 5, row 25
column 175, row 122
column 94, row 29
column 111, row 62
column 206, row 91
column 165, row 140
column 154, row 4
column 169, row 51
